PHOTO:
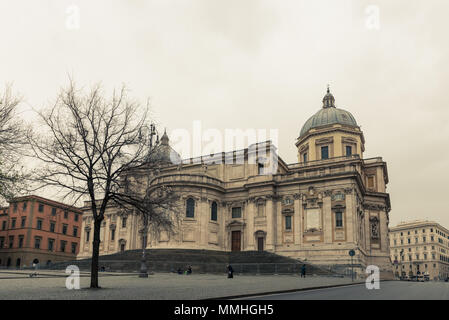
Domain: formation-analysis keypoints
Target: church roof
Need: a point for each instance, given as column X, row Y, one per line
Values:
column 328, row 115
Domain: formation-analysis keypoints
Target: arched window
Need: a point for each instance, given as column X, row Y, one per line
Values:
column 213, row 211
column 190, row 208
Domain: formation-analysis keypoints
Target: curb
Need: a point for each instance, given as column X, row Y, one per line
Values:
column 246, row 295
column 284, row 291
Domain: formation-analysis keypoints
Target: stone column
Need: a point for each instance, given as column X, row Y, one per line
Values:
column 279, row 218
column 271, row 225
column 203, row 221
column 251, row 213
column 298, row 219
column 349, row 213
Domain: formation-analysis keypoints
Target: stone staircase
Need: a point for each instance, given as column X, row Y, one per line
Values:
column 202, row 261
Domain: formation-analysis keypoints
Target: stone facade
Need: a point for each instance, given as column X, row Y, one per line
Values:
column 318, row 209
column 420, row 246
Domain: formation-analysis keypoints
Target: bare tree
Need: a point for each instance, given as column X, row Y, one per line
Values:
column 12, row 141
column 91, row 147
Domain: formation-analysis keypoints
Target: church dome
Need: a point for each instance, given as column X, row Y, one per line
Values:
column 328, row 115
column 163, row 153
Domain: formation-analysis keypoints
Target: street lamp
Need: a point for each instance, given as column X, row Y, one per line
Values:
column 143, row 263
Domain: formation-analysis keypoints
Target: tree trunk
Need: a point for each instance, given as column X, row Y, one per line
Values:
column 95, row 255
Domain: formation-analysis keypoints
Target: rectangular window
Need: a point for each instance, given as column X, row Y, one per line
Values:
column 260, row 167
column 64, row 229
column 288, row 222
column 73, row 247
column 76, row 217
column 304, row 157
column 338, row 219
column 37, row 243
column 24, row 206
column 112, row 234
column 4, row 225
column 14, row 207
column 39, row 224
column 51, row 244
column 13, row 223
column 124, row 222
column 21, row 241
column 237, row 212
column 2, row 242
column 66, row 215
column 22, row 223
column 75, row 231
column 63, row 243
column 41, row 207
column 52, row 227
column 87, row 235
column 53, row 211
column 348, row 151
column 11, row 241
column 325, row 152
column 371, row 184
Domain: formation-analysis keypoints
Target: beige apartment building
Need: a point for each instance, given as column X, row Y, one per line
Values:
column 420, row 246
column 330, row 202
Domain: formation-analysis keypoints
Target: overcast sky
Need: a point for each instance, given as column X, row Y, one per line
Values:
column 257, row 64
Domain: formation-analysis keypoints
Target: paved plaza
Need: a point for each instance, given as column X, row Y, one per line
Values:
column 389, row 290
column 51, row 285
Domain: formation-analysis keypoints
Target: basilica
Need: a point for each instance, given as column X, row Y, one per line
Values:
column 316, row 210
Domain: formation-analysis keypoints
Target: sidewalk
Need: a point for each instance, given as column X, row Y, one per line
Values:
column 18, row 274
column 160, row 286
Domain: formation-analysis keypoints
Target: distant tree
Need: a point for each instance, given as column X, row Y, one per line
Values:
column 92, row 145
column 12, row 142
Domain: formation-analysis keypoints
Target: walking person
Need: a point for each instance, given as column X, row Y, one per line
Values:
column 230, row 271
column 303, row 271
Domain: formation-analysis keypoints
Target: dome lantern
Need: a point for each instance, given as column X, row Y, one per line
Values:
column 328, row 100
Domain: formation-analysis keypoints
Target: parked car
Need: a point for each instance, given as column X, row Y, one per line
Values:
column 404, row 278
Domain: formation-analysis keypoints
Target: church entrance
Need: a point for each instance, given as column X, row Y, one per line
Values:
column 236, row 240
column 260, row 244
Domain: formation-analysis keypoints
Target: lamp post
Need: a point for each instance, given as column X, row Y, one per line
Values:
column 143, row 262
column 352, row 254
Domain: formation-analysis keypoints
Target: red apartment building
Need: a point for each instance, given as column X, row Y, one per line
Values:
column 38, row 230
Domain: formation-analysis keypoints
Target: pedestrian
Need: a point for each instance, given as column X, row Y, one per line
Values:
column 189, row 270
column 303, row 271
column 179, row 271
column 230, row 271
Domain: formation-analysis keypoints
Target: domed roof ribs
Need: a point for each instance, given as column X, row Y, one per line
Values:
column 328, row 115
